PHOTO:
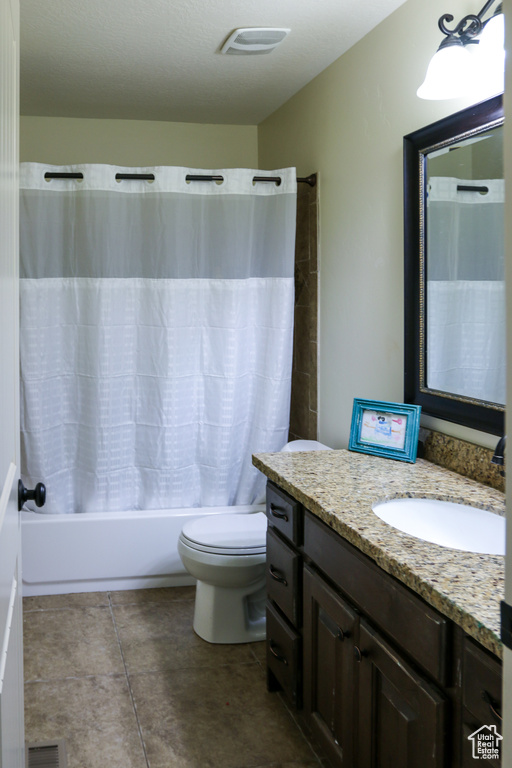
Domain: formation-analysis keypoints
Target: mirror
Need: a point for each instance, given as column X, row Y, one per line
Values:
column 454, row 268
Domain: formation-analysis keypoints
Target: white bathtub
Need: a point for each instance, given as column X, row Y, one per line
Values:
column 96, row 552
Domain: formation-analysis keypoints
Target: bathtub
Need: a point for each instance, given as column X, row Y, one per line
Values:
column 97, row 552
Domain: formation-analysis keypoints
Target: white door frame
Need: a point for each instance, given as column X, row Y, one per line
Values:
column 507, row 654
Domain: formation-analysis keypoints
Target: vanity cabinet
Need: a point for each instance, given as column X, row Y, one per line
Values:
column 377, row 676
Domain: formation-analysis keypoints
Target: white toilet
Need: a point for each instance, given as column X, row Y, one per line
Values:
column 226, row 554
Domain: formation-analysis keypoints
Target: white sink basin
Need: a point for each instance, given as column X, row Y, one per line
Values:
column 458, row 526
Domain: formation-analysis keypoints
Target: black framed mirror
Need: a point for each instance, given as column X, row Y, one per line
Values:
column 454, row 268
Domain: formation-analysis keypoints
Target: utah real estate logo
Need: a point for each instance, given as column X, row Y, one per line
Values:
column 486, row 743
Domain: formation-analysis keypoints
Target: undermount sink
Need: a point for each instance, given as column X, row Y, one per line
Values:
column 458, row 526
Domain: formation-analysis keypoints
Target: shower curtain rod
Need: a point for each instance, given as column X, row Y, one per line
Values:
column 468, row 188
column 311, row 180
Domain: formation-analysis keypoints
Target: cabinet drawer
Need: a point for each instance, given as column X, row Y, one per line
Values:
column 284, row 513
column 393, row 608
column 284, row 654
column 283, row 577
column 481, row 684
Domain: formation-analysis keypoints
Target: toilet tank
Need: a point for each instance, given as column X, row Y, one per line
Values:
column 304, row 445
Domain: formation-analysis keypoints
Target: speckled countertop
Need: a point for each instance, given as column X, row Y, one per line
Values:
column 340, row 488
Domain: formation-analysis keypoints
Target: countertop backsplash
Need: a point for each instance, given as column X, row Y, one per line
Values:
column 459, row 456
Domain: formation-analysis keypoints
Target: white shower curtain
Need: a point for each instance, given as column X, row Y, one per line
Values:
column 466, row 289
column 156, row 334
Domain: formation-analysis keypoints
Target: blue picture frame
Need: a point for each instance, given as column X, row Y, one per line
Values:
column 385, row 429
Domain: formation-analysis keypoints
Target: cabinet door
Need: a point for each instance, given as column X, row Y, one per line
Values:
column 329, row 626
column 481, row 700
column 401, row 715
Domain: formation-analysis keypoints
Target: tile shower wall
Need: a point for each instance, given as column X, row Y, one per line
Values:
column 304, row 408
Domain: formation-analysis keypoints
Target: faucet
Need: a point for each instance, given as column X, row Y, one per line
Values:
column 499, row 453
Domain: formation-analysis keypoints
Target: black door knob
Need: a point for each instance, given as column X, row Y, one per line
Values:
column 38, row 494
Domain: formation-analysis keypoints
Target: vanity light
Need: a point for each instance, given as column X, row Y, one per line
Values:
column 470, row 60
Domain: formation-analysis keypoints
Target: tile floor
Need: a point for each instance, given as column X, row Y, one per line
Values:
column 123, row 678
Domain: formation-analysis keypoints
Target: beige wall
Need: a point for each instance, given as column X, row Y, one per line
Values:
column 348, row 125
column 67, row 140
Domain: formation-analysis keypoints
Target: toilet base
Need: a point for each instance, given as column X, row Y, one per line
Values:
column 230, row 615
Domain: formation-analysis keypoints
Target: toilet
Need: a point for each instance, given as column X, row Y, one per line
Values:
column 226, row 554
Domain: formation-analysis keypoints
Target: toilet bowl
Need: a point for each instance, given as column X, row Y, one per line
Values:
column 226, row 554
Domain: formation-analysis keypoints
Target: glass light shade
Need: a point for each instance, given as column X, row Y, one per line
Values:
column 448, row 75
column 493, row 34
column 489, row 59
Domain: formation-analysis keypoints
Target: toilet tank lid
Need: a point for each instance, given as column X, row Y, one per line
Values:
column 304, row 445
column 232, row 531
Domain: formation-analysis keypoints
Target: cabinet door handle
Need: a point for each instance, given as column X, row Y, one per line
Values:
column 342, row 634
column 358, row 654
column 272, row 649
column 495, row 712
column 277, row 575
column 278, row 512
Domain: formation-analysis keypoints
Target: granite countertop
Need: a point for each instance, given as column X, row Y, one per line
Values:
column 340, row 487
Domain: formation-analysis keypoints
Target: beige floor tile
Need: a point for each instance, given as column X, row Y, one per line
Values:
column 145, row 596
column 160, row 637
column 315, row 764
column 70, row 643
column 219, row 717
column 94, row 715
column 259, row 651
column 75, row 600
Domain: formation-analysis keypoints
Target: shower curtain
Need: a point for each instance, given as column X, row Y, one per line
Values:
column 466, row 288
column 155, row 334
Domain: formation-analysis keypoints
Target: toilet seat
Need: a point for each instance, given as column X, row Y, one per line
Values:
column 235, row 534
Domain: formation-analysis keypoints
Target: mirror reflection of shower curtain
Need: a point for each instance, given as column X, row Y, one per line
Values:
column 465, row 348
column 156, row 335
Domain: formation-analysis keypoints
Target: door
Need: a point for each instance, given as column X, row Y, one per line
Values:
column 402, row 717
column 330, row 625
column 11, row 672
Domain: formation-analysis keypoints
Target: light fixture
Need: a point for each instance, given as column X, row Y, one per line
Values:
column 470, row 60
column 254, row 40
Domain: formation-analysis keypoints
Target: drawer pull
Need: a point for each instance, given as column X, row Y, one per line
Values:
column 495, row 712
column 278, row 512
column 358, row 654
column 277, row 575
column 272, row 648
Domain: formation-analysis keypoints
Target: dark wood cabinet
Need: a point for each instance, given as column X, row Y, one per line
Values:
column 481, row 701
column 284, row 569
column 379, row 678
column 330, row 626
column 284, row 646
column 401, row 716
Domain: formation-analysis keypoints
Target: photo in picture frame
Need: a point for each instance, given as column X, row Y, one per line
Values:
column 385, row 429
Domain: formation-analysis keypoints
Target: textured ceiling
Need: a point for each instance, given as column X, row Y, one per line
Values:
column 160, row 60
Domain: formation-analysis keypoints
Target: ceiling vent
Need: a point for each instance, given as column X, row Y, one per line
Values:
column 254, row 40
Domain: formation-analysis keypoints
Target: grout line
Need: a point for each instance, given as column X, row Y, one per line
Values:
column 71, row 677
column 128, row 682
